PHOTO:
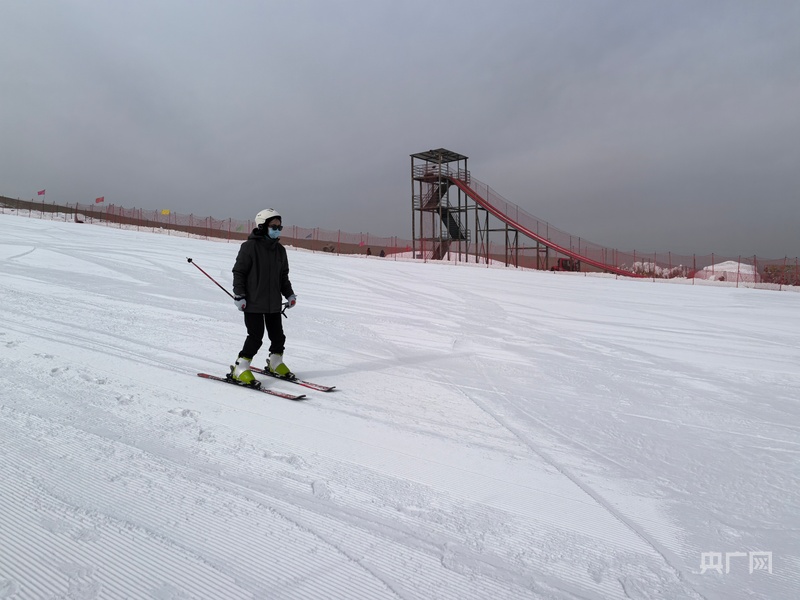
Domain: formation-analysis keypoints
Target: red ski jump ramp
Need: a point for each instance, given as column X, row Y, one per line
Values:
column 512, row 215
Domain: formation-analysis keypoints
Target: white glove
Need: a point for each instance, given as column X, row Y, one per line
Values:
column 241, row 302
column 291, row 301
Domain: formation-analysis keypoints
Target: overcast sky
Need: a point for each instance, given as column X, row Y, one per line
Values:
column 650, row 125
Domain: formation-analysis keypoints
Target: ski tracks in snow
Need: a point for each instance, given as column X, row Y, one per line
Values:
column 440, row 471
column 510, row 412
column 185, row 492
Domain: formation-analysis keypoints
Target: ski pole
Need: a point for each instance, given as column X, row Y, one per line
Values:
column 284, row 306
column 211, row 278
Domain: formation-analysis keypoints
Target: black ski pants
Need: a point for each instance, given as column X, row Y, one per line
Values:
column 255, row 323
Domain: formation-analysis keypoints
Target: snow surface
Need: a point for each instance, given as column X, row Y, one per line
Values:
column 496, row 434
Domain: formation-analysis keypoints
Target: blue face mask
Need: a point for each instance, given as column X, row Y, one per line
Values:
column 274, row 233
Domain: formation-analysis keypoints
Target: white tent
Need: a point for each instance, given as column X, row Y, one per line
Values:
column 729, row 271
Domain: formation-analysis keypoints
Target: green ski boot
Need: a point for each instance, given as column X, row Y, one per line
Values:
column 276, row 366
column 241, row 371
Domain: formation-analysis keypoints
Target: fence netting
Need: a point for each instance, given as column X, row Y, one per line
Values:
column 746, row 271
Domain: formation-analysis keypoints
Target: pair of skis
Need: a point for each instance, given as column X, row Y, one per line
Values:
column 309, row 384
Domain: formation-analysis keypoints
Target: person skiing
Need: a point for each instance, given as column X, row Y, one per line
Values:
column 260, row 278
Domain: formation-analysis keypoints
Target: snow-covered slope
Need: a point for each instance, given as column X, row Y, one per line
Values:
column 496, row 433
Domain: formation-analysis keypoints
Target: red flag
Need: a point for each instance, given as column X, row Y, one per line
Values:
column 100, row 199
column 40, row 193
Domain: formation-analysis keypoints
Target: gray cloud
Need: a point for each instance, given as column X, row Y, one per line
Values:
column 660, row 126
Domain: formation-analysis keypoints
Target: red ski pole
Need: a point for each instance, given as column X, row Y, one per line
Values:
column 210, row 277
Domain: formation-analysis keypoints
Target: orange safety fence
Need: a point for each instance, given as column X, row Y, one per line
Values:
column 739, row 271
column 315, row 239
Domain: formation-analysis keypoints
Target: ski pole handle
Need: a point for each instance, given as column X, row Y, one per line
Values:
column 210, row 277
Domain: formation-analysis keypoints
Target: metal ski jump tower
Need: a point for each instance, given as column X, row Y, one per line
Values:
column 446, row 199
column 440, row 225
column 437, row 222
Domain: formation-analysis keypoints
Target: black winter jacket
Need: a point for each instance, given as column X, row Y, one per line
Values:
column 261, row 274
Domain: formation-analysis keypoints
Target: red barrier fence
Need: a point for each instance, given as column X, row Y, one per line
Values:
column 745, row 271
column 316, row 239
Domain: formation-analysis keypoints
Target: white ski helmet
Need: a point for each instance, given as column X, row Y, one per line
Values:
column 265, row 215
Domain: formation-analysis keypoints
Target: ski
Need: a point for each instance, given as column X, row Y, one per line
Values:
column 308, row 384
column 257, row 389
